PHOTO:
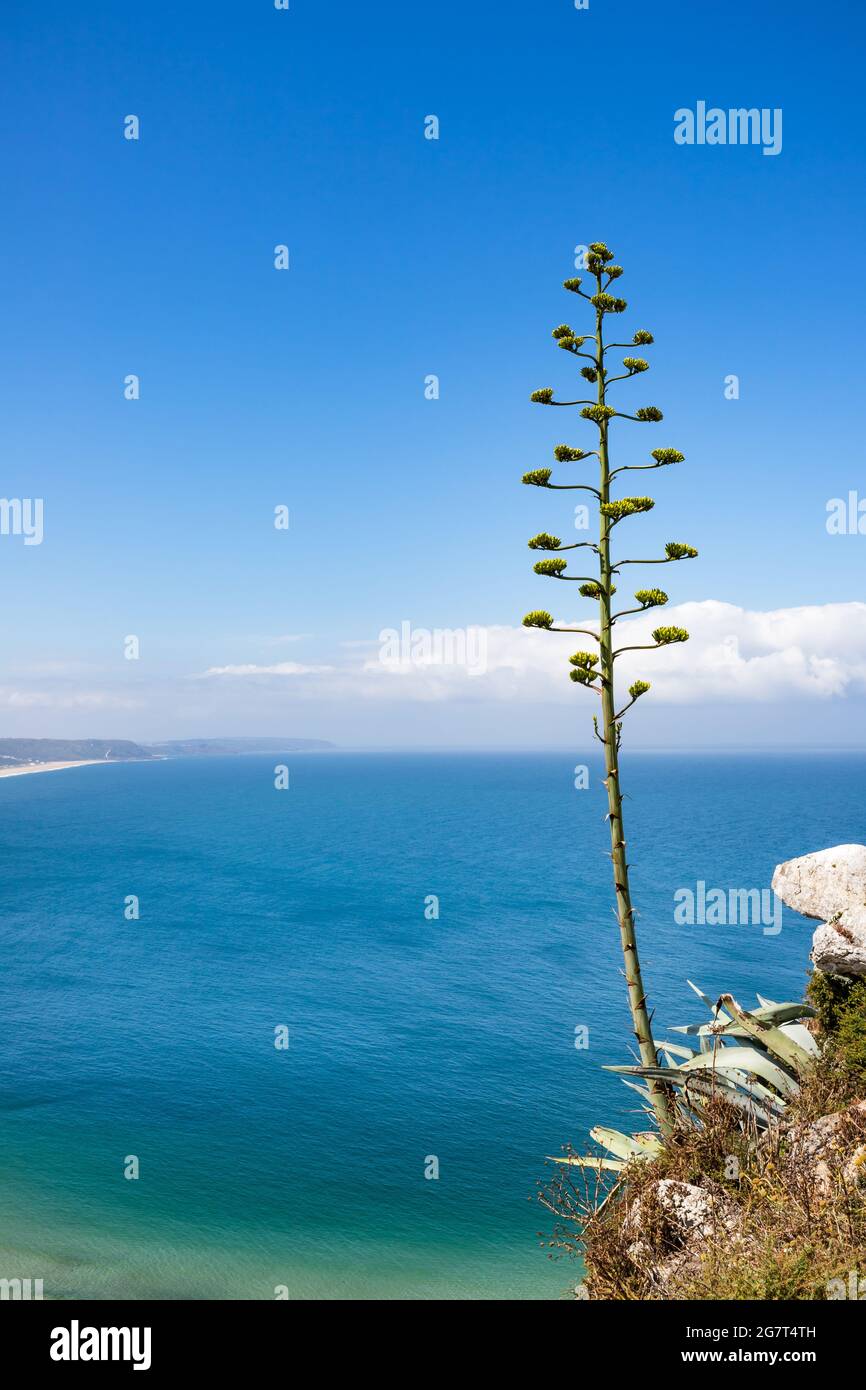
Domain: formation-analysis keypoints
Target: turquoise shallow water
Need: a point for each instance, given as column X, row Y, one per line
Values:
column 409, row 1037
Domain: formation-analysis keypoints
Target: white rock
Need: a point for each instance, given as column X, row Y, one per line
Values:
column 839, row 946
column 830, row 884
column 829, row 1152
column 692, row 1216
column 823, row 884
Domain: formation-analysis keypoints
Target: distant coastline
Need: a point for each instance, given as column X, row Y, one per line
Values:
column 24, row 755
column 20, row 769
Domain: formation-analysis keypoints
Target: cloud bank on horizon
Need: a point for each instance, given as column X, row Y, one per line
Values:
column 736, row 659
column 733, row 654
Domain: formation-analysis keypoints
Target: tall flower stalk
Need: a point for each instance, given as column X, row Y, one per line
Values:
column 596, row 669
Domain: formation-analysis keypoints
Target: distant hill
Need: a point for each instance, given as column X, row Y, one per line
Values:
column 15, row 751
column 229, row 747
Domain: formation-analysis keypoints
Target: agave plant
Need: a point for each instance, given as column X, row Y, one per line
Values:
column 754, row 1060
column 596, row 670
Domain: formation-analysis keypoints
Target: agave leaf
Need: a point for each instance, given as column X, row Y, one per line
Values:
column 607, row 1165
column 643, row 1091
column 625, row 1146
column 683, row 1053
column 749, row 1060
column 648, row 1142
column 783, row 1013
column 705, row 998
column 675, row 1075
column 698, row 1093
column 744, row 1062
column 780, row 1045
column 775, row 1013
column 699, row 1090
column 737, row 1084
column 801, row 1035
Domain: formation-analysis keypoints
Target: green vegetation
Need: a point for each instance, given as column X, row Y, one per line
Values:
column 841, row 1008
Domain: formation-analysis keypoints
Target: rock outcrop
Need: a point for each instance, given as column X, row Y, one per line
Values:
column 829, row 1151
column 681, row 1219
column 830, row 885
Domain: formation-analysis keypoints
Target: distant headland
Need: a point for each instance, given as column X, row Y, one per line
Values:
column 20, row 755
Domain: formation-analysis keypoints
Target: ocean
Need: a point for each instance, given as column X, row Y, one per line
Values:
column 427, row 932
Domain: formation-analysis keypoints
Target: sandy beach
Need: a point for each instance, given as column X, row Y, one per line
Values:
column 20, row 769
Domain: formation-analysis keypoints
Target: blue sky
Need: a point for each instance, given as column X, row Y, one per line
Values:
column 411, row 257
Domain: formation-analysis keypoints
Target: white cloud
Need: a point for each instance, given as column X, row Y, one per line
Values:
column 734, row 655
column 282, row 668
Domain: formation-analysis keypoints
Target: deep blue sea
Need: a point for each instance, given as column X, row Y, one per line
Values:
column 409, row 1036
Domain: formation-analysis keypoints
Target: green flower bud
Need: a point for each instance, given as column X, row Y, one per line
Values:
column 564, row 453
column 675, row 550
column 581, row 675
column 666, row 635
column 537, row 477
column 593, row 590
column 573, row 284
column 563, row 331
column 598, row 248
column 649, row 412
column 544, row 396
column 635, row 364
column 626, row 506
column 598, row 413
column 651, row 598
column 638, row 688
column 585, row 659
column 642, row 338
column 538, row 618
column 589, row 374
column 544, row 541
column 608, row 304
column 668, row 456
column 551, row 567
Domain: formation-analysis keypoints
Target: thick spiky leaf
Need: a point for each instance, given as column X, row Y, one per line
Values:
column 704, row 998
column 732, row 1085
column 760, row 1109
column 626, row 1146
column 801, row 1035
column 769, row 1013
column 750, row 1061
column 778, row 1044
column 607, row 1165
column 738, row 1063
